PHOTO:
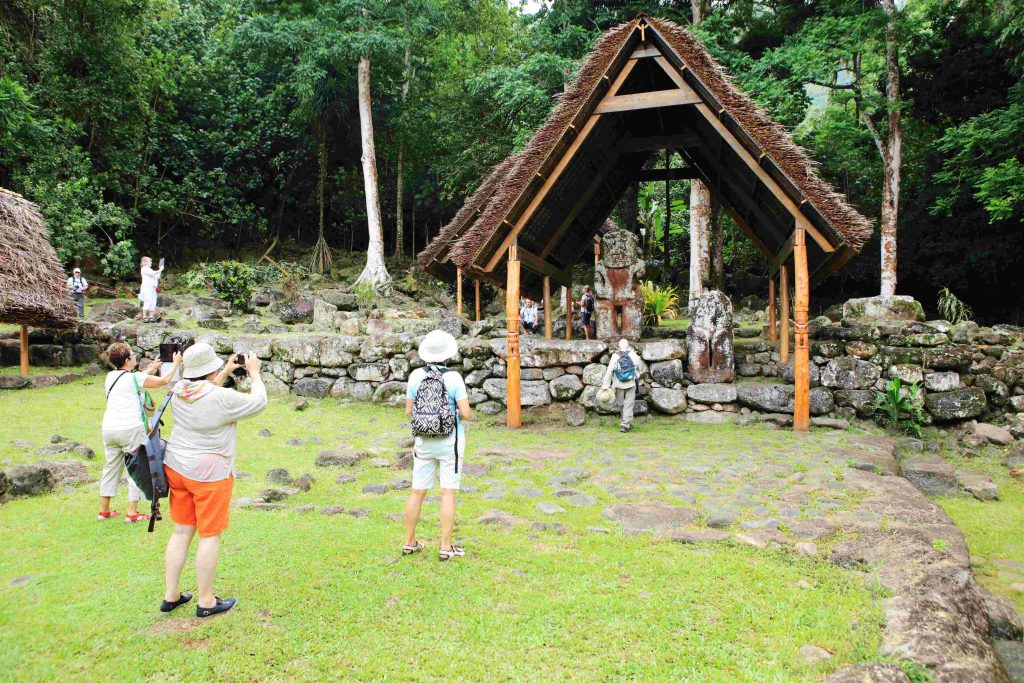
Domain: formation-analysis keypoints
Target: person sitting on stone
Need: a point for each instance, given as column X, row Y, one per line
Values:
column 434, row 454
column 622, row 374
column 122, row 427
column 528, row 315
column 78, row 285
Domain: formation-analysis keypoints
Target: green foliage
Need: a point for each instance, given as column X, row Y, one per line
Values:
column 951, row 308
column 917, row 673
column 366, row 295
column 900, row 409
column 659, row 302
column 120, row 260
column 195, row 278
column 232, row 282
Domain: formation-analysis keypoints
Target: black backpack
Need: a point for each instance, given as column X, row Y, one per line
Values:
column 145, row 464
column 626, row 370
column 588, row 303
column 432, row 414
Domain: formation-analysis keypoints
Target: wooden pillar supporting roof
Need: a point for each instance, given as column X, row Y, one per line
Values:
column 23, row 336
column 476, row 288
column 772, row 329
column 547, row 308
column 458, row 291
column 784, row 322
column 512, row 403
column 801, row 353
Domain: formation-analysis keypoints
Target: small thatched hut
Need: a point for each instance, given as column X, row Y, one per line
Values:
column 32, row 281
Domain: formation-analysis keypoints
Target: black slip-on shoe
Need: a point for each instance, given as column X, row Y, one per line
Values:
column 221, row 607
column 166, row 606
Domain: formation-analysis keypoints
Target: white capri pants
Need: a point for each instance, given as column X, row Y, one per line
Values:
column 115, row 444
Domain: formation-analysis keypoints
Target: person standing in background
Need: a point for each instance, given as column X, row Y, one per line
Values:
column 147, row 293
column 78, row 284
column 528, row 314
column 586, row 310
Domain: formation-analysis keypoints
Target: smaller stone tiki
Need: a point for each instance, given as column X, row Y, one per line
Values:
column 709, row 340
column 619, row 299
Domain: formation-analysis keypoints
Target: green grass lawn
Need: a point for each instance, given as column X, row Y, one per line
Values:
column 44, row 370
column 992, row 528
column 328, row 597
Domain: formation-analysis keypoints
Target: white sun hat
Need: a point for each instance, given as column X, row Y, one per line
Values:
column 199, row 361
column 438, row 346
column 623, row 345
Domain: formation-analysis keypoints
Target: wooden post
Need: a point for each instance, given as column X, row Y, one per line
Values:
column 568, row 311
column 801, row 355
column 24, row 350
column 784, row 305
column 597, row 253
column 548, row 322
column 476, row 287
column 458, row 291
column 512, row 339
column 772, row 331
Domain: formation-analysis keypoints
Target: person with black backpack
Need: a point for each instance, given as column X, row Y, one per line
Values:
column 436, row 402
column 623, row 374
column 586, row 310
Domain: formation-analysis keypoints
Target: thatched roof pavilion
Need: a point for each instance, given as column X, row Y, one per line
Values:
column 649, row 86
column 32, row 282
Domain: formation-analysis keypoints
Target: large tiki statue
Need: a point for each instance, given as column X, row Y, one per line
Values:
column 619, row 300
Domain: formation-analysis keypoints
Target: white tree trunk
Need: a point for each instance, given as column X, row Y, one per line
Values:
column 400, row 180
column 700, row 240
column 893, row 155
column 375, row 273
column 700, row 211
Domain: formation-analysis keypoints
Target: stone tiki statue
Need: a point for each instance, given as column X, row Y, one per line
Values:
column 709, row 340
column 619, row 301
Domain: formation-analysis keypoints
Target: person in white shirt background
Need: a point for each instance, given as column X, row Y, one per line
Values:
column 147, row 293
column 78, row 285
column 528, row 315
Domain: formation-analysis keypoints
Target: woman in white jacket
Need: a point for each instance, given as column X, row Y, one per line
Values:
column 147, row 293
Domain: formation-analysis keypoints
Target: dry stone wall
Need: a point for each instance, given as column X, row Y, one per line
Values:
column 965, row 372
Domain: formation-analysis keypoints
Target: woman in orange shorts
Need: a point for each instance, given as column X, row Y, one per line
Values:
column 200, row 464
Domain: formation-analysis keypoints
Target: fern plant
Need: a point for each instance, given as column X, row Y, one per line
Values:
column 659, row 302
column 951, row 308
column 898, row 410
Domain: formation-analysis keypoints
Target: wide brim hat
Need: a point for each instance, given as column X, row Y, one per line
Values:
column 199, row 361
column 438, row 346
column 605, row 395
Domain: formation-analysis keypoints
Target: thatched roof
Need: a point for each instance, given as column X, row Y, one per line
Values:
column 474, row 236
column 32, row 282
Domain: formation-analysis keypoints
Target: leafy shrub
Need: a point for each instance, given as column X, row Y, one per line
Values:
column 951, row 308
column 366, row 295
column 265, row 274
column 195, row 277
column 898, row 410
column 232, row 281
column 120, row 260
column 659, row 302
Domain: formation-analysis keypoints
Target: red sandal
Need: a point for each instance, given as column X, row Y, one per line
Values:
column 138, row 517
column 107, row 515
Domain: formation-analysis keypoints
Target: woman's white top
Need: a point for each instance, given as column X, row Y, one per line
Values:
column 123, row 411
column 150, row 278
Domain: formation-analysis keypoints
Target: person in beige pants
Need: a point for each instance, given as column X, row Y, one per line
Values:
column 122, row 424
column 625, row 389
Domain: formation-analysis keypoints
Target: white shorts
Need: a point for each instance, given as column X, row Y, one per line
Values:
column 433, row 455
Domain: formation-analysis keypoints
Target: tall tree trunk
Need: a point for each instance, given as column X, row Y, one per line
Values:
column 375, row 273
column 717, row 257
column 700, row 228
column 892, row 155
column 700, row 211
column 400, row 180
column 666, row 245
